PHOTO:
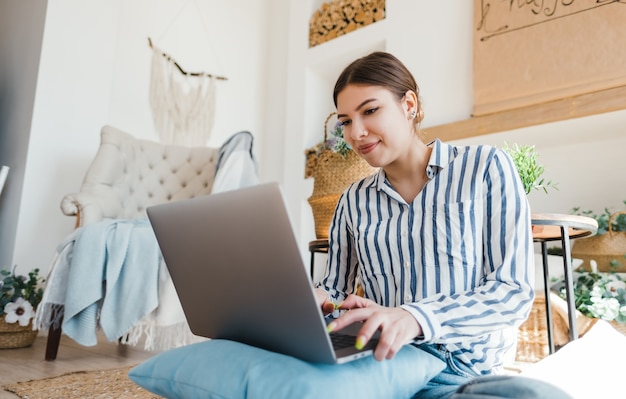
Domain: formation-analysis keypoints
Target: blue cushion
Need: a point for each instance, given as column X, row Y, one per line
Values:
column 227, row 370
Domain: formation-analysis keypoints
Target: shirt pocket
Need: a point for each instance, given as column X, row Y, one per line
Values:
column 451, row 236
column 376, row 244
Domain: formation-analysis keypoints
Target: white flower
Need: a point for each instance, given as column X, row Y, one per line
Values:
column 594, row 266
column 604, row 308
column 21, row 310
column 596, row 292
column 614, row 285
column 622, row 310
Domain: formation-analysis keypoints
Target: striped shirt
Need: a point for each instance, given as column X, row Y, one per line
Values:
column 459, row 257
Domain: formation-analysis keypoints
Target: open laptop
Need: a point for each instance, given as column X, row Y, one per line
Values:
column 239, row 275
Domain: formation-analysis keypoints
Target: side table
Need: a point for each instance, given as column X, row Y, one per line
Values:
column 559, row 227
column 317, row 246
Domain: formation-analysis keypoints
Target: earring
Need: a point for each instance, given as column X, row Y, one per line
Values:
column 413, row 114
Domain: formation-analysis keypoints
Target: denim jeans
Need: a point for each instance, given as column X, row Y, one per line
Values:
column 457, row 381
column 450, row 379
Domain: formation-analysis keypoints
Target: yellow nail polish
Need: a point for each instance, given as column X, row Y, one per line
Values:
column 360, row 342
column 331, row 327
column 337, row 305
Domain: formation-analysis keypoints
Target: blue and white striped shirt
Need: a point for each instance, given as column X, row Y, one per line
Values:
column 459, row 258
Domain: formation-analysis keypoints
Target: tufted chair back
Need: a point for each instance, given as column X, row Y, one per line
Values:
column 128, row 175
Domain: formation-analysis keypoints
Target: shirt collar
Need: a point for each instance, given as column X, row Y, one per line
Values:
column 440, row 157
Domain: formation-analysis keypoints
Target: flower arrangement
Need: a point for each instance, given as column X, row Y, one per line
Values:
column 336, row 141
column 20, row 296
column 600, row 295
column 333, row 141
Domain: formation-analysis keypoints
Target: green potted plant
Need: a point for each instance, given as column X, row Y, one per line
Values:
column 530, row 171
column 528, row 167
column 19, row 298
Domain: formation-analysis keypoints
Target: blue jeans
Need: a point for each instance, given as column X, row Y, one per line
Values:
column 457, row 381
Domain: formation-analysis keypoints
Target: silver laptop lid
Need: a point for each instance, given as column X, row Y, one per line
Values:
column 235, row 264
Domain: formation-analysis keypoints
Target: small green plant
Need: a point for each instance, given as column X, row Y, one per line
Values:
column 530, row 171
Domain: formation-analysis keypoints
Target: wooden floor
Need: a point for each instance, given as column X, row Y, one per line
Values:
column 28, row 363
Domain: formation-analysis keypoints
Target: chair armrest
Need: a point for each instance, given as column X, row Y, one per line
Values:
column 86, row 206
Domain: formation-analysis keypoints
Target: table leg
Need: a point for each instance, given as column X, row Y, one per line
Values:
column 312, row 265
column 546, row 285
column 569, row 284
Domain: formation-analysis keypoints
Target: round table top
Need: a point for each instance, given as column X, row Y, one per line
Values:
column 319, row 245
column 547, row 226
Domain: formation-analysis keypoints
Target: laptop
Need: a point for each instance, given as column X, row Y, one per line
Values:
column 236, row 267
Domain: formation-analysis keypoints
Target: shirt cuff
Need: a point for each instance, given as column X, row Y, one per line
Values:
column 427, row 322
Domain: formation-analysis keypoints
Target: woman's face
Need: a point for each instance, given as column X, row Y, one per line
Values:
column 376, row 124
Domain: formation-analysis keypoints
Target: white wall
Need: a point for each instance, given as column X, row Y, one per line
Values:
column 95, row 70
column 21, row 35
column 71, row 103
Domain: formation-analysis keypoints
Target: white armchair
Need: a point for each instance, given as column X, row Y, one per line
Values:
column 126, row 176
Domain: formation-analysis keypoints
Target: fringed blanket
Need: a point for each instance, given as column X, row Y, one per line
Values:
column 118, row 283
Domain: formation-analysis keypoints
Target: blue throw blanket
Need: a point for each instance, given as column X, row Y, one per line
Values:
column 113, row 281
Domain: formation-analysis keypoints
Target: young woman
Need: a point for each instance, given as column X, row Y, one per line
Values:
column 439, row 239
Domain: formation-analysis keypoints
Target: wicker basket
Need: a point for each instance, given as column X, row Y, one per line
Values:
column 619, row 327
column 532, row 336
column 15, row 336
column 602, row 248
column 332, row 173
column 323, row 210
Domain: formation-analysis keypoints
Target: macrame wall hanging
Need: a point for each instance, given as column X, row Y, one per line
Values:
column 182, row 103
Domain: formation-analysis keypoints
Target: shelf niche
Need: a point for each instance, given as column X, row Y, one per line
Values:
column 338, row 17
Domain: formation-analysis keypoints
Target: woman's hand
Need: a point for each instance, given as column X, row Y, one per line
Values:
column 324, row 301
column 397, row 326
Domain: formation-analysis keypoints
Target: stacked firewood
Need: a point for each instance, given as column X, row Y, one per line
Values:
column 339, row 17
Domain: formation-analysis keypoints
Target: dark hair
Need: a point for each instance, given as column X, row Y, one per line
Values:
column 380, row 69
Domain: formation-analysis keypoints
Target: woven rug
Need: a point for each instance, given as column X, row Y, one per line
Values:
column 101, row 384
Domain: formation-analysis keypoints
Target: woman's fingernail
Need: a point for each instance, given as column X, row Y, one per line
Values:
column 337, row 305
column 331, row 327
column 360, row 342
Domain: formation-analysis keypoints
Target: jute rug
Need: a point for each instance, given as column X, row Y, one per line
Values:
column 100, row 384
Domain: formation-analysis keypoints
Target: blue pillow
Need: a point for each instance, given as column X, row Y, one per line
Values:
column 229, row 370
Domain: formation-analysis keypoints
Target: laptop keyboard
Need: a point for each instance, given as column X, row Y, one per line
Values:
column 341, row 341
